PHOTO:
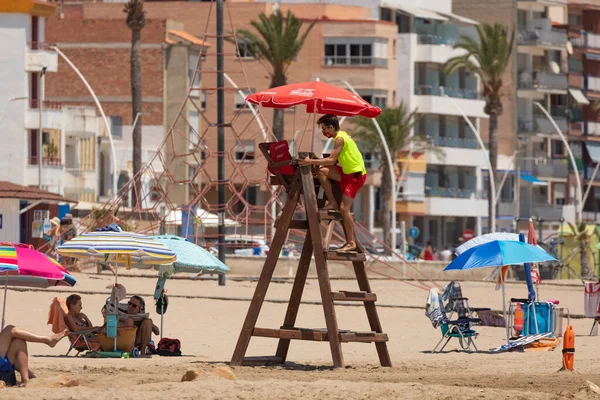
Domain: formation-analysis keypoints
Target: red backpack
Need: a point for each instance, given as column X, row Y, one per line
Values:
column 169, row 347
column 280, row 151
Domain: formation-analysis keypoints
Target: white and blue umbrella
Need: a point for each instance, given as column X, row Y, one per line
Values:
column 498, row 253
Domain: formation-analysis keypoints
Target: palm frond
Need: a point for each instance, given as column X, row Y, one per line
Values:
column 136, row 16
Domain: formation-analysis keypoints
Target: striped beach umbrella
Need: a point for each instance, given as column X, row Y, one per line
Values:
column 118, row 247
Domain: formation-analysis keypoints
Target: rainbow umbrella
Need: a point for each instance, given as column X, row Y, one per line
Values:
column 24, row 266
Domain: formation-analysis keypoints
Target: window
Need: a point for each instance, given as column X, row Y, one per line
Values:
column 244, row 151
column 194, row 121
column 116, row 127
column 240, row 101
column 250, row 194
column 574, row 19
column 356, row 51
column 192, row 63
column 377, row 98
column 557, row 149
column 203, row 101
column 242, row 50
column 386, row 14
column 41, row 215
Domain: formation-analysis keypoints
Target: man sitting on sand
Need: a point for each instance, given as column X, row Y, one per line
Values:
column 13, row 352
column 136, row 305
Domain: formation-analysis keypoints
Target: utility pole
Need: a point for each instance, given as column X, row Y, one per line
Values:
column 221, row 136
column 41, row 130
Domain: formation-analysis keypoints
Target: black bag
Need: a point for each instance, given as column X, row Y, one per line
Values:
column 161, row 304
column 169, row 347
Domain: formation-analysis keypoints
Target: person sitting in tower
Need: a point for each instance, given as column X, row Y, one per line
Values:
column 344, row 165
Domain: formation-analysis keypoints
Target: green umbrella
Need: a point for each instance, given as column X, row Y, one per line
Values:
column 191, row 257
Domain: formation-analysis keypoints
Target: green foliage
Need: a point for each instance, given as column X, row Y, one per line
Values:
column 488, row 58
column 277, row 41
column 396, row 125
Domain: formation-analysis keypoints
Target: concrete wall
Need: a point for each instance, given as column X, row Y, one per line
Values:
column 9, row 209
column 14, row 30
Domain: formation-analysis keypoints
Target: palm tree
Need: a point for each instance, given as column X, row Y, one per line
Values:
column 582, row 236
column 396, row 125
column 136, row 20
column 277, row 45
column 488, row 58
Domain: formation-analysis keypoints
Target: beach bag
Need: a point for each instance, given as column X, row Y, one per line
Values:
column 169, row 347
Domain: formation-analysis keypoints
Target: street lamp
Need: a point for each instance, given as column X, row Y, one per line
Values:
column 106, row 124
column 492, row 215
column 579, row 207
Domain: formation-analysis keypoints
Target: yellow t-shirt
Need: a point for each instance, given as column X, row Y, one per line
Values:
column 350, row 158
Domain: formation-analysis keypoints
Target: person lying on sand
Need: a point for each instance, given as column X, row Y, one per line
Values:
column 146, row 327
column 76, row 320
column 13, row 352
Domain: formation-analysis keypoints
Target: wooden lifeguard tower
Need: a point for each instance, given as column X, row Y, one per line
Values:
column 303, row 183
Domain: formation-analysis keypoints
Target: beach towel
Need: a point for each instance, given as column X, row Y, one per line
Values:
column 433, row 308
column 56, row 315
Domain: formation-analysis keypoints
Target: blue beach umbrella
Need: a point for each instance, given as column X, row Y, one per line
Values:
column 499, row 253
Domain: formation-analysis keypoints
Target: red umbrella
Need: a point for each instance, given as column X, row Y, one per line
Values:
column 319, row 97
column 531, row 239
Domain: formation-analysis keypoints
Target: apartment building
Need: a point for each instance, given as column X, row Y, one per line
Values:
column 67, row 164
column 584, row 74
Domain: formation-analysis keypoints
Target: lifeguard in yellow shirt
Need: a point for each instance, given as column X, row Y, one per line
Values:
column 344, row 165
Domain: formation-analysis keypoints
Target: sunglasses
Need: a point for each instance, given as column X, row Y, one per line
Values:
column 129, row 303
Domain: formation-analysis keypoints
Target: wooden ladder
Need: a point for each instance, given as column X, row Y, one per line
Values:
column 303, row 183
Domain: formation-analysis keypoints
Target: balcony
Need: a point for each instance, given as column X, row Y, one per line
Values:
column 436, row 40
column 455, row 202
column 538, row 37
column 456, row 142
column 355, row 61
column 80, row 122
column 547, row 212
column 587, row 41
column 552, row 169
column 38, row 55
column 588, row 172
column 592, row 128
column 52, row 116
column 591, row 83
column 426, row 90
column 541, row 125
column 544, row 81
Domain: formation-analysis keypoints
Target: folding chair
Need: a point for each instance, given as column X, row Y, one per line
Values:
column 280, row 162
column 459, row 304
column 460, row 329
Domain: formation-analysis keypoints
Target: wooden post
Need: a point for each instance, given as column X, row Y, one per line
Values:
column 267, row 273
column 310, row 204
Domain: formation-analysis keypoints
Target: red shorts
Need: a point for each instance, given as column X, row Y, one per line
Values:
column 349, row 184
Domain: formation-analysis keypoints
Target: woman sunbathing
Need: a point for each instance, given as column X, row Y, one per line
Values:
column 76, row 320
column 13, row 352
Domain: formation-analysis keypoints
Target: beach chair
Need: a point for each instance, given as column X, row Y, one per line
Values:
column 457, row 303
column 460, row 329
column 539, row 317
column 79, row 340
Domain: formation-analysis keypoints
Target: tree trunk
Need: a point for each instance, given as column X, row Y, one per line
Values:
column 278, row 79
column 493, row 154
column 136, row 105
column 585, row 260
column 386, row 195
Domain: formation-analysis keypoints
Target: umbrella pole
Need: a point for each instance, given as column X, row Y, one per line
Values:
column 162, row 317
column 116, row 310
column 4, row 304
column 504, row 312
column 312, row 143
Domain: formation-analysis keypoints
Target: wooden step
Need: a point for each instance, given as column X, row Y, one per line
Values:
column 353, row 296
column 262, row 360
column 331, row 215
column 363, row 337
column 319, row 335
column 345, row 256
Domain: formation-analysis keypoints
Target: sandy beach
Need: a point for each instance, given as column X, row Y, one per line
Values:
column 207, row 319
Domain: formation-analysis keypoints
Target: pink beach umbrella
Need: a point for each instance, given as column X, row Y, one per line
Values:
column 24, row 266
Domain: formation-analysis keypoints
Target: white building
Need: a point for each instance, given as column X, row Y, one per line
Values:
column 69, row 133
